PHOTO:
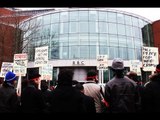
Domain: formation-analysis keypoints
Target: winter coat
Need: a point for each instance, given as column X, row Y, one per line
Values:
column 9, row 101
column 66, row 99
column 32, row 100
column 94, row 90
column 122, row 95
column 152, row 94
column 89, row 103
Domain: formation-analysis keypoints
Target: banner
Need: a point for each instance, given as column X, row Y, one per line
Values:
column 102, row 62
column 20, row 64
column 149, row 58
column 41, row 56
column 135, row 66
column 6, row 66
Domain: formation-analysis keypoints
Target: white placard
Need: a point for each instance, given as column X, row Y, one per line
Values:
column 20, row 64
column 46, row 72
column 41, row 56
column 6, row 66
column 135, row 66
column 102, row 62
column 149, row 58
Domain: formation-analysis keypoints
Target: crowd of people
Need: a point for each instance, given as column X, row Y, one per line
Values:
column 122, row 94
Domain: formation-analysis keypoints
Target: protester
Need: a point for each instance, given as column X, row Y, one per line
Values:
column 133, row 76
column 152, row 92
column 31, row 98
column 88, row 101
column 9, row 101
column 46, row 93
column 65, row 98
column 92, row 89
column 120, row 91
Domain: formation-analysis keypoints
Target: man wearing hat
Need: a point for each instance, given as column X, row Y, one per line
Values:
column 151, row 101
column 121, row 92
column 31, row 97
column 9, row 101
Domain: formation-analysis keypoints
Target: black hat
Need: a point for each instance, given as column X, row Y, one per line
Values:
column 33, row 73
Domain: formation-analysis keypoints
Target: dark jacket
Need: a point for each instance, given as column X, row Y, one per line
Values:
column 121, row 94
column 89, row 103
column 152, row 94
column 66, row 99
column 32, row 100
column 9, row 101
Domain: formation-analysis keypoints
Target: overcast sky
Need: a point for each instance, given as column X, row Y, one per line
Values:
column 152, row 14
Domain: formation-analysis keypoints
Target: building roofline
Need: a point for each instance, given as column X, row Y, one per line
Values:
column 100, row 9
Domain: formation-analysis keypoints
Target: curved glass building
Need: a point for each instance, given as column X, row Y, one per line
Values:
column 76, row 36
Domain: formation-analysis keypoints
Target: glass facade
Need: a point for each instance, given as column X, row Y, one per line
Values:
column 82, row 34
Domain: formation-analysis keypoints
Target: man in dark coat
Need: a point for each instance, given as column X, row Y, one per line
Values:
column 88, row 101
column 120, row 91
column 9, row 101
column 152, row 93
column 31, row 98
column 66, row 98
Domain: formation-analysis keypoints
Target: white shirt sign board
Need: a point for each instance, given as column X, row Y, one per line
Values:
column 149, row 58
column 6, row 66
column 41, row 56
column 46, row 72
column 102, row 62
column 20, row 64
column 135, row 66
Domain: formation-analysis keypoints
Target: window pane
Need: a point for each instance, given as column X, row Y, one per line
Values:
column 112, row 28
column 103, row 27
column 113, row 52
column 120, row 18
column 73, row 39
column 93, row 53
column 54, row 52
column 113, row 41
column 83, row 15
column 83, row 26
column 84, row 52
column 122, row 41
column 73, row 27
column 93, row 16
column 46, row 19
column 55, row 18
column 103, row 39
column 63, row 40
column 121, row 29
column 131, row 54
column 103, row 50
column 64, row 52
column 134, row 21
column 102, row 16
column 73, row 16
column 130, row 42
column 64, row 28
column 129, row 30
column 122, row 53
column 74, row 52
column 93, row 39
column 112, row 17
column 139, row 54
column 93, row 27
column 64, row 16
column 128, row 20
column 83, row 39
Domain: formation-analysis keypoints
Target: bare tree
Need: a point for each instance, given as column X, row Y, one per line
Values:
column 24, row 33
